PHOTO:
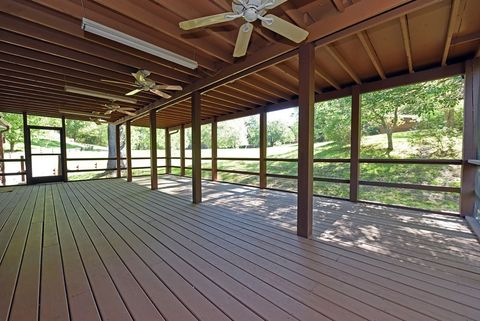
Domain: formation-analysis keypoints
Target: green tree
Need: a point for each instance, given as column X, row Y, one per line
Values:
column 276, row 133
column 332, row 121
column 15, row 134
column 253, row 131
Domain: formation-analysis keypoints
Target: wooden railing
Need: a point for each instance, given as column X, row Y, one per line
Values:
column 423, row 187
column 113, row 168
column 21, row 173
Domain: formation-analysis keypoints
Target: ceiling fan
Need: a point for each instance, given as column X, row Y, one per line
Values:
column 98, row 121
column 112, row 107
column 142, row 83
column 250, row 11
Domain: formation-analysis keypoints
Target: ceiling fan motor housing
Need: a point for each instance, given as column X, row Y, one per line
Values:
column 249, row 11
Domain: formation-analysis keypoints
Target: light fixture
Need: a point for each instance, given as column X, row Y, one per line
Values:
column 115, row 35
column 79, row 113
column 93, row 93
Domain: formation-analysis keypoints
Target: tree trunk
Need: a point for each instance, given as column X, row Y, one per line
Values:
column 112, row 163
column 450, row 117
column 389, row 133
column 12, row 147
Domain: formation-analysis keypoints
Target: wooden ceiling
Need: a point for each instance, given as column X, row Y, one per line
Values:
column 43, row 48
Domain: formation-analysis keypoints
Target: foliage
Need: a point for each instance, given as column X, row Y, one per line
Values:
column 15, row 134
column 384, row 109
column 253, row 131
column 332, row 121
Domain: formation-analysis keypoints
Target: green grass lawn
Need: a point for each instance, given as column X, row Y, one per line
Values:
column 372, row 147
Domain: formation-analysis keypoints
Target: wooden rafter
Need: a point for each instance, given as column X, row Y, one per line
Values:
column 406, row 42
column 343, row 63
column 452, row 25
column 370, row 50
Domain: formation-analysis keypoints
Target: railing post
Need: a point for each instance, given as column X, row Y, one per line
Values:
column 471, row 110
column 128, row 138
column 22, row 167
column 118, row 151
column 153, row 150
column 306, row 100
column 355, row 144
column 196, row 149
column 263, row 149
column 168, row 152
column 214, row 149
column 182, row 150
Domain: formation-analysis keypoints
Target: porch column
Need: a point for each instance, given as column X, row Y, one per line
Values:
column 63, row 147
column 117, row 151
column 28, row 155
column 214, row 149
column 263, row 150
column 153, row 150
column 168, row 152
column 471, row 123
column 355, row 144
column 306, row 100
column 182, row 150
column 196, row 149
column 129, row 150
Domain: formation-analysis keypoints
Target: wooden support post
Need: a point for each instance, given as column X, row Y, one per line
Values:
column 168, row 152
column 471, row 111
column 214, row 149
column 63, row 148
column 196, row 149
column 263, row 149
column 153, row 150
column 355, row 144
column 27, row 148
column 182, row 150
column 306, row 100
column 22, row 167
column 129, row 150
column 118, row 151
column 2, row 164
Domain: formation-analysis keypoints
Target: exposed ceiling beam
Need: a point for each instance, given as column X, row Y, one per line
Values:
column 460, row 40
column 406, row 42
column 367, row 45
column 339, row 5
column 452, row 25
column 373, row 12
column 343, row 63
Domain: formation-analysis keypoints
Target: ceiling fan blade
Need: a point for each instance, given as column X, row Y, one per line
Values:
column 207, row 21
column 117, row 82
column 243, row 39
column 133, row 92
column 284, row 28
column 274, row 3
column 108, row 112
column 126, row 112
column 79, row 113
column 168, row 87
column 160, row 93
column 127, row 108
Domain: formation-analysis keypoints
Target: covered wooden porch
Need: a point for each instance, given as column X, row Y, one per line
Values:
column 112, row 250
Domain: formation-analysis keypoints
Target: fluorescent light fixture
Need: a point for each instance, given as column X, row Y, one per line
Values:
column 115, row 35
column 79, row 113
column 93, row 93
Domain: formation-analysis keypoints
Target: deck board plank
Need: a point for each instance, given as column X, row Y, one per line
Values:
column 421, row 295
column 10, row 265
column 111, row 250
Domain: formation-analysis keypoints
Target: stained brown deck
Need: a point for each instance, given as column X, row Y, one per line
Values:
column 111, row 250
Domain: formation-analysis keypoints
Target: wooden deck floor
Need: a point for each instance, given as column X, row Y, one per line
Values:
column 111, row 250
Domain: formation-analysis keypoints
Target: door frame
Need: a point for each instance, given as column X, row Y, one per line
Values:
column 28, row 156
